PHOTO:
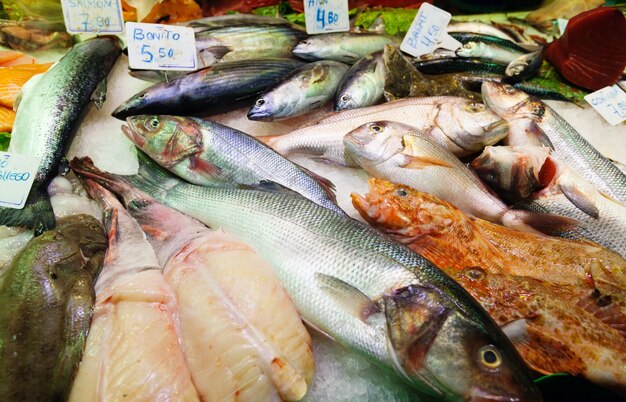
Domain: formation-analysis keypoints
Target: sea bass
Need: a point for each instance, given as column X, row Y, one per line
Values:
column 46, row 301
column 364, row 290
column 210, row 154
column 569, row 146
column 464, row 125
column 449, row 238
column 210, row 90
column 46, row 117
column 304, row 89
column 232, row 309
column 419, row 162
column 133, row 350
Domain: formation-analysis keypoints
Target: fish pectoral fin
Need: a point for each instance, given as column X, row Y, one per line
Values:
column 581, row 199
column 326, row 184
column 605, row 309
column 99, row 94
column 422, row 162
column 543, row 352
column 349, row 297
column 536, row 131
column 205, row 168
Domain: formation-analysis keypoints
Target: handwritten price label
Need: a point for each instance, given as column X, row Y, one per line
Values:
column 99, row 16
column 326, row 16
column 161, row 47
column 428, row 32
column 17, row 173
column 610, row 102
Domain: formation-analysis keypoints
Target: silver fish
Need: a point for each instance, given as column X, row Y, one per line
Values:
column 524, row 66
column 490, row 51
column 211, row 154
column 535, row 117
column 46, row 117
column 304, row 89
column 346, row 47
column 358, row 286
column 363, row 84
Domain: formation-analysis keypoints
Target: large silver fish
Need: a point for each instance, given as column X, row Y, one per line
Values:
column 347, row 47
column 210, row 154
column 46, row 118
column 538, row 119
column 353, row 283
column 363, row 84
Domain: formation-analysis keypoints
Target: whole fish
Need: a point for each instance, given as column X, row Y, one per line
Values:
column 464, row 125
column 133, row 350
column 210, row 154
column 232, row 20
column 535, row 122
column 46, row 118
column 449, row 238
column 478, row 28
column 422, row 163
column 489, row 51
column 209, row 90
column 347, row 47
column 458, row 65
column 524, row 66
column 334, row 268
column 232, row 309
column 304, row 89
column 46, row 301
column 467, row 37
column 363, row 84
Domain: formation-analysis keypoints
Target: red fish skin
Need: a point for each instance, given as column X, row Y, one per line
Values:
column 592, row 52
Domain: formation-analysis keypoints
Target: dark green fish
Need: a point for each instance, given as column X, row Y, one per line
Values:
column 46, row 302
column 458, row 65
column 46, row 118
column 211, row 90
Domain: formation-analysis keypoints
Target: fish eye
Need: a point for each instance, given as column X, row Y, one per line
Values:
column 154, row 122
column 401, row 192
column 260, row 102
column 475, row 273
column 490, row 357
column 345, row 97
column 376, row 128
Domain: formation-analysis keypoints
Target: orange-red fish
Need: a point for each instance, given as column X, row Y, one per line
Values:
column 13, row 58
column 13, row 78
column 449, row 238
column 7, row 118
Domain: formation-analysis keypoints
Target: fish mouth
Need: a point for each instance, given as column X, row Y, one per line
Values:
column 257, row 115
column 500, row 125
column 132, row 135
column 479, row 395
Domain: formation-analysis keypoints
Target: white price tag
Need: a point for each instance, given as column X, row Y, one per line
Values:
column 326, row 16
column 428, row 32
column 99, row 16
column 610, row 102
column 17, row 173
column 161, row 47
column 561, row 23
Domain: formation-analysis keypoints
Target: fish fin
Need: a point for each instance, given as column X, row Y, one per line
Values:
column 99, row 94
column 327, row 185
column 605, row 309
column 269, row 186
column 610, row 198
column 349, row 297
column 37, row 214
column 534, row 130
column 581, row 199
column 543, row 352
column 535, row 222
column 422, row 162
column 205, row 168
column 329, row 161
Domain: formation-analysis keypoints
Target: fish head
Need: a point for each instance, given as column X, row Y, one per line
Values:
column 469, row 49
column 402, row 212
column 471, row 125
column 135, row 105
column 348, row 99
column 375, row 142
column 451, row 351
column 509, row 102
column 168, row 140
column 267, row 106
column 305, row 48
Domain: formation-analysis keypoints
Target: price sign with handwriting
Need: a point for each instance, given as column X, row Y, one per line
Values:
column 93, row 16
column 610, row 102
column 428, row 32
column 17, row 173
column 326, row 16
column 161, row 47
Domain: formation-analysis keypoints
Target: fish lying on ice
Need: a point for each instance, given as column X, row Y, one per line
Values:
column 354, row 284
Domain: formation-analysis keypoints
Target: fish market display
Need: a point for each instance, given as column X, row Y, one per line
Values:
column 209, row 90
column 301, row 91
column 46, row 301
column 535, row 120
column 345, row 47
column 333, row 268
column 133, row 348
column 242, row 334
column 419, row 162
column 210, row 154
column 463, row 125
column 46, row 117
column 449, row 238
column 239, row 42
column 363, row 84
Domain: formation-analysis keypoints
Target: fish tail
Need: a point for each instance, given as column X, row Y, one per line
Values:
column 535, row 222
column 37, row 214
